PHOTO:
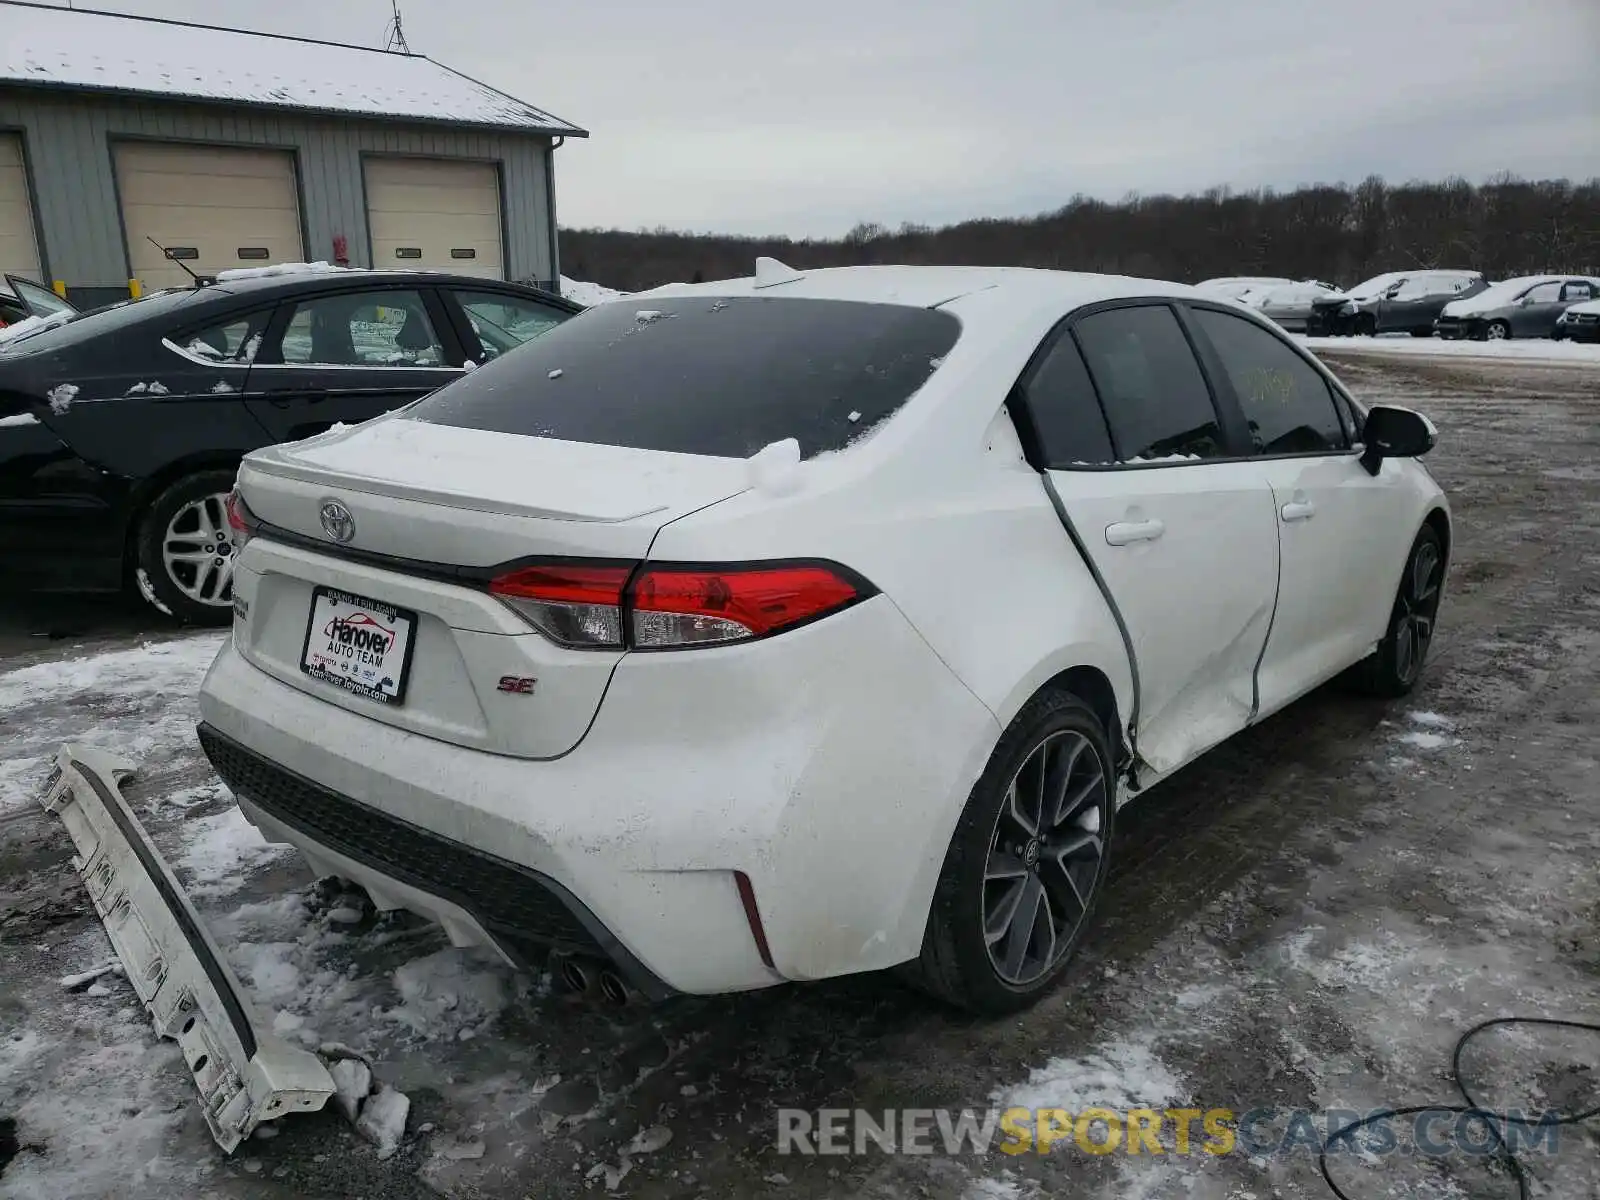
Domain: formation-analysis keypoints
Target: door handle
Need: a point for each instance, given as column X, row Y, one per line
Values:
column 1122, row 533
column 1298, row 510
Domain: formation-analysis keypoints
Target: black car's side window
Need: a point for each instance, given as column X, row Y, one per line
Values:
column 362, row 329
column 1578, row 289
column 1066, row 415
column 504, row 322
column 1287, row 404
column 1545, row 293
column 1155, row 398
column 235, row 340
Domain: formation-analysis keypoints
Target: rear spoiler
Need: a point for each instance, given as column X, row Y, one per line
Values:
column 245, row 1076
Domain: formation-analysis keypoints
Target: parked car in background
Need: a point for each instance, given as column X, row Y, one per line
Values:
column 1287, row 304
column 121, row 429
column 1580, row 323
column 1521, row 308
column 22, row 298
column 1234, row 286
column 637, row 645
column 1396, row 302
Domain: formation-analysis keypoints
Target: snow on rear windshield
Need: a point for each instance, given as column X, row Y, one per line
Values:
column 722, row 376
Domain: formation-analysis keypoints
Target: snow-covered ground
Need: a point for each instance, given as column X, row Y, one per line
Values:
column 1515, row 349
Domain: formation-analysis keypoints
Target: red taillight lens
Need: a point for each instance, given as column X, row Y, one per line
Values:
column 241, row 523
column 666, row 607
column 574, row 604
column 677, row 606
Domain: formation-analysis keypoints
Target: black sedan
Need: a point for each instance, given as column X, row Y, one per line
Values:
column 121, row 429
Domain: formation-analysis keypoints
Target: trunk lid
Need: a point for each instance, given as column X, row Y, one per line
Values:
column 431, row 507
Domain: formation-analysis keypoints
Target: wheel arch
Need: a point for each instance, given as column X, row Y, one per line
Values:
column 1108, row 691
column 1439, row 521
column 152, row 485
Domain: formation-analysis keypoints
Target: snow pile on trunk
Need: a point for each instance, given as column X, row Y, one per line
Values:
column 775, row 469
column 588, row 294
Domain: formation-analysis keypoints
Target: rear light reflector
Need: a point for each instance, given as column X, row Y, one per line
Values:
column 666, row 607
column 575, row 604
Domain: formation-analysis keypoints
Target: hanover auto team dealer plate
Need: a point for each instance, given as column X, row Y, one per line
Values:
column 363, row 646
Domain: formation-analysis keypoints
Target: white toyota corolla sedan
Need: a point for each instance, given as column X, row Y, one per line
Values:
column 809, row 623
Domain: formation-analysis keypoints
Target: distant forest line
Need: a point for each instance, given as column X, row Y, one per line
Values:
column 1504, row 227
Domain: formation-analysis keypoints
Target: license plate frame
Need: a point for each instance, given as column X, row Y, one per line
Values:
column 375, row 612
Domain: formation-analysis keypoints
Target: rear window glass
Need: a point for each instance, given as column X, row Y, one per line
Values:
column 721, row 376
column 99, row 321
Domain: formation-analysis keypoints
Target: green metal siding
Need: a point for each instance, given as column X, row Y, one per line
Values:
column 69, row 142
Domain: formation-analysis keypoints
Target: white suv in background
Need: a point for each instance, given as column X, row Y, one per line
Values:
column 808, row 624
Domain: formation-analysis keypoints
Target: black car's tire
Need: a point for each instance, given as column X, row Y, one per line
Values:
column 1366, row 325
column 1497, row 331
column 1422, row 333
column 1394, row 668
column 1057, row 743
column 183, row 559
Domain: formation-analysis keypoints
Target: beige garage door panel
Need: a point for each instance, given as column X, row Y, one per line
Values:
column 217, row 199
column 435, row 206
column 19, row 253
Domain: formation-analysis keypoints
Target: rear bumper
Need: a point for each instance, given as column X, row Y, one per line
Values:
column 828, row 766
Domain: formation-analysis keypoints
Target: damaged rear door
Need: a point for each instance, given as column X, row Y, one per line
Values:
column 1184, row 540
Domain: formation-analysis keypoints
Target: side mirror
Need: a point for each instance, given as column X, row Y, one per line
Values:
column 1392, row 432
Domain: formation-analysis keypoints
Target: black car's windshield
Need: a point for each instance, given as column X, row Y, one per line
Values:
column 68, row 329
column 722, row 376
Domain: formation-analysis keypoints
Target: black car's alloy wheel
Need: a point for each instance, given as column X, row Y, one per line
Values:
column 185, row 550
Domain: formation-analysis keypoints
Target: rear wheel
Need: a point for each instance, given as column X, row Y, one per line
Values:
column 1394, row 668
column 184, row 554
column 1027, row 863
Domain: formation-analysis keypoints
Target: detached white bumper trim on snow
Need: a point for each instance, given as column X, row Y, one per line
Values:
column 245, row 1076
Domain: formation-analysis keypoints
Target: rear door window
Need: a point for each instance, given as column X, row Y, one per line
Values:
column 1287, row 403
column 722, row 376
column 502, row 322
column 234, row 340
column 1155, row 398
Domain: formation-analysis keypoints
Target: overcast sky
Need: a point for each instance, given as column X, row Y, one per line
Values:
column 751, row 116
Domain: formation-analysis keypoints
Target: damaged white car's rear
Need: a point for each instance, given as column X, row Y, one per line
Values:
column 808, row 624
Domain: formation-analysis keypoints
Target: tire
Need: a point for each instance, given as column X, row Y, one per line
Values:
column 1497, row 331
column 186, row 517
column 1366, row 325
column 1394, row 668
column 957, row 965
column 1422, row 333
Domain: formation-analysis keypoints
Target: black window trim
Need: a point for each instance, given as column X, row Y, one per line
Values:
column 271, row 352
column 178, row 340
column 1230, row 415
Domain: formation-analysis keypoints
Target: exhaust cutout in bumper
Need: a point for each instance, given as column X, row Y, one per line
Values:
column 245, row 1076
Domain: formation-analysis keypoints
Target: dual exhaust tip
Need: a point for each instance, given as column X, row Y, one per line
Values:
column 593, row 979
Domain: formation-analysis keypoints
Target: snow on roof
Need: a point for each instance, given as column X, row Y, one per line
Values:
column 47, row 46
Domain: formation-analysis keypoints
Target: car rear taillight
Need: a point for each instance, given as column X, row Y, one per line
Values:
column 667, row 607
column 241, row 522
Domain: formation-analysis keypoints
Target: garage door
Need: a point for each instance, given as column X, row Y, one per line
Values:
column 19, row 253
column 437, row 214
column 215, row 207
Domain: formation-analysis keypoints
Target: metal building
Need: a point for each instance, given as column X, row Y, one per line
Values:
column 132, row 148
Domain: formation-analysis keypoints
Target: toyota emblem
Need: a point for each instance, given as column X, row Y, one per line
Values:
column 337, row 522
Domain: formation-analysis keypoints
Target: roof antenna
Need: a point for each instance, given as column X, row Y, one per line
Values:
column 395, row 38
column 166, row 253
